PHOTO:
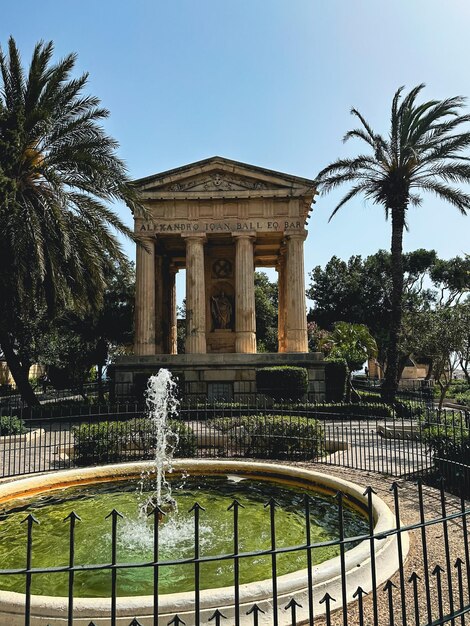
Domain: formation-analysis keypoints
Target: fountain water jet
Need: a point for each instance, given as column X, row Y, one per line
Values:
column 162, row 404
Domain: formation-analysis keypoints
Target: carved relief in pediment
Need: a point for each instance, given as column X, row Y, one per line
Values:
column 218, row 181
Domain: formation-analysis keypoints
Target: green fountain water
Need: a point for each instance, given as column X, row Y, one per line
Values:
column 176, row 535
column 176, row 532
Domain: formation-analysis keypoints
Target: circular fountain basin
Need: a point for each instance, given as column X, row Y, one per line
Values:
column 327, row 575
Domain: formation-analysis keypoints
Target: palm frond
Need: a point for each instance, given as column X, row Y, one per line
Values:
column 453, row 196
column 57, row 234
column 352, row 193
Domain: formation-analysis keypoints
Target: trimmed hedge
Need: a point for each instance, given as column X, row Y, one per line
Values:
column 406, row 408
column 277, row 436
column 401, row 408
column 11, row 425
column 108, row 442
column 347, row 409
column 449, row 441
column 336, row 375
column 463, row 398
column 283, row 382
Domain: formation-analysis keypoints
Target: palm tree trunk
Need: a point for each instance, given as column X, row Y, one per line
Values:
column 390, row 386
column 18, row 371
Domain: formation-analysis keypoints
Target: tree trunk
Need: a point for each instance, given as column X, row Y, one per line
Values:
column 430, row 370
column 18, row 371
column 401, row 365
column 100, row 382
column 348, row 386
column 390, row 386
column 465, row 368
column 442, row 397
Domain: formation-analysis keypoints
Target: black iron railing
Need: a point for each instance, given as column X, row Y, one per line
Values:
column 411, row 441
column 408, row 442
column 426, row 592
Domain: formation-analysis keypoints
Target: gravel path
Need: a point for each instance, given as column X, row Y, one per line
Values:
column 409, row 514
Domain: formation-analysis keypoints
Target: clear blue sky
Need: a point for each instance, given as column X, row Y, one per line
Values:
column 268, row 82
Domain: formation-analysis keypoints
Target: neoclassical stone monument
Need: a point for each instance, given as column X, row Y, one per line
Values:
column 219, row 220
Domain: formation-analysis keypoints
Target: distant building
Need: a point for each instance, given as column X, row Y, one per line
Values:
column 416, row 368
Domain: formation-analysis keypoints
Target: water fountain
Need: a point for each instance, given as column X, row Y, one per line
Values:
column 94, row 491
column 162, row 404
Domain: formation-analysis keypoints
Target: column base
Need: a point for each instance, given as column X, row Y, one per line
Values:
column 296, row 341
column 245, row 342
column 143, row 349
column 196, row 344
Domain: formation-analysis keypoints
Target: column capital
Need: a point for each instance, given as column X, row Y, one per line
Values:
column 295, row 234
column 194, row 236
column 145, row 240
column 244, row 234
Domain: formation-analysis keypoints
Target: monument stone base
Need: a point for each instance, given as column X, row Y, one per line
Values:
column 213, row 376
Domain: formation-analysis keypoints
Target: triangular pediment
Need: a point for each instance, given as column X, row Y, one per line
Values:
column 218, row 174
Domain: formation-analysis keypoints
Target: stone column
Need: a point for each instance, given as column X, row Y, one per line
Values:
column 245, row 320
column 160, row 289
column 295, row 304
column 195, row 294
column 172, row 316
column 281, row 297
column 144, row 342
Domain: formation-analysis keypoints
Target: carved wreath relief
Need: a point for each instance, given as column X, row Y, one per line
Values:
column 222, row 268
column 218, row 182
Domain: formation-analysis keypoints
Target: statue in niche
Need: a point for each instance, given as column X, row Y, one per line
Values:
column 222, row 311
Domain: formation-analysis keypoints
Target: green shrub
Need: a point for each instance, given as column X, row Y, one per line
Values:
column 405, row 408
column 459, row 390
column 11, row 425
column 462, row 398
column 449, row 440
column 108, row 442
column 346, row 409
column 336, row 375
column 369, row 396
column 283, row 382
column 277, row 436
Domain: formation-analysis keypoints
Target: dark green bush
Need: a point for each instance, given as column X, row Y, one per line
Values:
column 283, row 382
column 108, row 442
column 405, row 408
column 277, row 436
column 449, row 440
column 351, row 409
column 11, row 425
column 369, row 396
column 462, row 397
column 346, row 409
column 336, row 375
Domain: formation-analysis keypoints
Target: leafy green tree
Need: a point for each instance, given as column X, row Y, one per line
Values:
column 359, row 291
column 181, row 328
column 464, row 355
column 351, row 342
column 315, row 335
column 266, row 305
column 452, row 279
column 73, row 344
column 58, row 171
column 421, row 153
column 443, row 334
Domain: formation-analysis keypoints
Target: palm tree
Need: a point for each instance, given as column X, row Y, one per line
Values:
column 422, row 153
column 354, row 344
column 58, row 169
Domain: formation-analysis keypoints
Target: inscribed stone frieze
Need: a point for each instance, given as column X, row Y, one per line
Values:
column 185, row 226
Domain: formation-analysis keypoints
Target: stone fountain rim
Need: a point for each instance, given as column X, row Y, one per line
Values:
column 325, row 574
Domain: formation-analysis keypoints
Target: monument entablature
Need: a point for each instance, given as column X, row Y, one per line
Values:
column 219, row 220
